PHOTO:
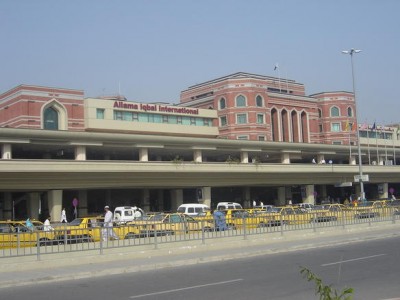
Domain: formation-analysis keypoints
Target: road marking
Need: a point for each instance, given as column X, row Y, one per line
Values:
column 185, row 288
column 354, row 259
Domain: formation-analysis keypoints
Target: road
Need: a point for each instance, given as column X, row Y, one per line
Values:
column 371, row 267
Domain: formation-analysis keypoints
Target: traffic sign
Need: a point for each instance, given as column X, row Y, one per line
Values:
column 364, row 178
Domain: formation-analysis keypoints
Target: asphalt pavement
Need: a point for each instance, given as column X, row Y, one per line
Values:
column 18, row 271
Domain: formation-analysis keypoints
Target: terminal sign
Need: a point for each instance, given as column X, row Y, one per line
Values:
column 363, row 178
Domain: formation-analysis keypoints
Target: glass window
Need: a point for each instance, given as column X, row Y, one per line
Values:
column 242, row 137
column 349, row 112
column 50, row 119
column 260, row 119
column 261, row 138
column 319, row 113
column 192, row 121
column 240, row 101
column 222, row 103
column 241, row 118
column 117, row 115
column 320, row 128
column 206, row 122
column 165, row 119
column 335, row 127
column 259, row 101
column 335, row 111
column 100, row 113
column 223, row 121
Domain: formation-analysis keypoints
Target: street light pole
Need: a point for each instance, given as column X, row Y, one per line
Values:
column 351, row 52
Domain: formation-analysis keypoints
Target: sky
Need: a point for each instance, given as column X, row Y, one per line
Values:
column 151, row 50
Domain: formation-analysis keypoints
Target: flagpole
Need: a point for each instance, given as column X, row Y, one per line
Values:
column 384, row 137
column 376, row 139
column 394, row 152
column 369, row 153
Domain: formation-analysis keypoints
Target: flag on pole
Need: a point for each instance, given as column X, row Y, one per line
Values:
column 373, row 126
column 276, row 67
column 347, row 126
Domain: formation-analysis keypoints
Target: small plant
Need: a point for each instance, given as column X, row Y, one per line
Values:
column 177, row 160
column 326, row 292
column 231, row 160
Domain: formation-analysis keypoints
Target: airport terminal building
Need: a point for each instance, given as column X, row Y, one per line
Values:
column 241, row 137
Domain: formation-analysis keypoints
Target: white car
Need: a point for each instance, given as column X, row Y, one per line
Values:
column 124, row 214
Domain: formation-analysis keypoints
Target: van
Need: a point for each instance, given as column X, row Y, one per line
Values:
column 228, row 205
column 193, row 209
column 123, row 214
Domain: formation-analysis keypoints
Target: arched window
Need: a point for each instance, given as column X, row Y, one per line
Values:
column 240, row 101
column 335, row 111
column 259, row 101
column 222, row 103
column 349, row 112
column 50, row 119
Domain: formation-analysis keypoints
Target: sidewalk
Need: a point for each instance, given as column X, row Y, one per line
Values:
column 19, row 271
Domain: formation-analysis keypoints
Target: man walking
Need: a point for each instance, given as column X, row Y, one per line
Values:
column 108, row 231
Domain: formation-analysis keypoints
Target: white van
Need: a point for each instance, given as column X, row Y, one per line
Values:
column 228, row 205
column 193, row 209
column 123, row 214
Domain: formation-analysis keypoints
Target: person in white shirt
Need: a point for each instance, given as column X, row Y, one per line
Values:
column 108, row 231
column 47, row 226
column 63, row 216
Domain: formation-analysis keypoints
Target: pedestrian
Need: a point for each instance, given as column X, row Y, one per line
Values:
column 29, row 224
column 108, row 231
column 63, row 216
column 47, row 226
column 219, row 220
column 254, row 203
column 313, row 161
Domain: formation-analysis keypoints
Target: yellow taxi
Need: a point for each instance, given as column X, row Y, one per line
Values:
column 89, row 229
column 15, row 234
column 170, row 224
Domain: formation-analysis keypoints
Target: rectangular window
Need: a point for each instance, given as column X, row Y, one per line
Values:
column 206, row 122
column 261, row 138
column 100, row 113
column 241, row 119
column 192, row 121
column 165, row 119
column 260, row 119
column 179, row 120
column 336, row 143
column 320, row 128
column 335, row 127
column 117, row 115
column 223, row 121
column 242, row 137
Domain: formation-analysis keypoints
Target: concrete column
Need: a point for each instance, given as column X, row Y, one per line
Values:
column 285, row 158
column 6, row 151
column 207, row 196
column 384, row 193
column 80, row 152
column 146, row 200
column 143, row 154
column 309, row 194
column 82, row 204
column 324, row 193
column 7, row 206
column 247, row 197
column 320, row 158
column 54, row 198
column 160, row 199
column 197, row 156
column 33, row 205
column 281, row 196
column 176, row 199
column 244, row 157
column 352, row 160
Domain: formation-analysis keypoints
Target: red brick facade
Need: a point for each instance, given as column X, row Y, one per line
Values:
column 24, row 107
column 257, row 107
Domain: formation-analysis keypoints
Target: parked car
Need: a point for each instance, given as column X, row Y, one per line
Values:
column 170, row 224
column 193, row 209
column 15, row 234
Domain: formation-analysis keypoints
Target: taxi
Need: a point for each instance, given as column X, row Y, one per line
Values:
column 370, row 209
column 88, row 229
column 172, row 223
column 15, row 234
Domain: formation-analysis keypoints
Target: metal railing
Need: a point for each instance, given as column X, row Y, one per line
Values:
column 97, row 238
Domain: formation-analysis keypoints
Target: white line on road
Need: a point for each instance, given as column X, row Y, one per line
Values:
column 185, row 288
column 350, row 260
